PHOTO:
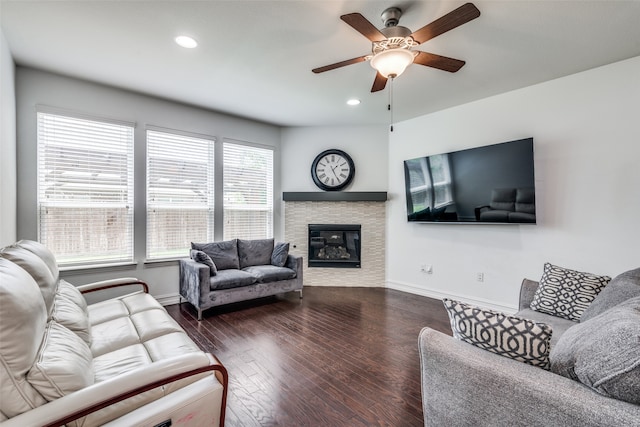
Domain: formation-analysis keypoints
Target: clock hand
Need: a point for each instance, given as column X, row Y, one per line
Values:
column 333, row 169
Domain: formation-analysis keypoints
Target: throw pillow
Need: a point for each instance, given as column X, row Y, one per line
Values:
column 203, row 258
column 280, row 254
column 224, row 254
column 510, row 336
column 255, row 252
column 621, row 288
column 603, row 352
column 566, row 293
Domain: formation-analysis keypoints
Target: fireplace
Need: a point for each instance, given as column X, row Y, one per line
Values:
column 334, row 245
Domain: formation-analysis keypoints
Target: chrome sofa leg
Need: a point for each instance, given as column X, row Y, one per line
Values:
column 300, row 291
column 199, row 314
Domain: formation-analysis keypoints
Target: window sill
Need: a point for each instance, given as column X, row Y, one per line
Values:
column 82, row 269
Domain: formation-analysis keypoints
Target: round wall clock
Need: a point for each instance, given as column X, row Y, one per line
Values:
column 332, row 170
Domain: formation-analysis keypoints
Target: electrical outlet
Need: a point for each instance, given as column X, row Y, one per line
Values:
column 480, row 277
column 426, row 268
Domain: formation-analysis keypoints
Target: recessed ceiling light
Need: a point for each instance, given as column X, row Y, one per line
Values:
column 353, row 102
column 186, row 42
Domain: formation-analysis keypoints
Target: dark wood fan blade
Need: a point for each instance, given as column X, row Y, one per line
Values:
column 451, row 20
column 440, row 62
column 379, row 83
column 364, row 27
column 339, row 64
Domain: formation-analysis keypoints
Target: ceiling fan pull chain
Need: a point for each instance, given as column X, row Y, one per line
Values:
column 390, row 104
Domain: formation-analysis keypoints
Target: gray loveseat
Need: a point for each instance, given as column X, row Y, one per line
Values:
column 463, row 385
column 235, row 270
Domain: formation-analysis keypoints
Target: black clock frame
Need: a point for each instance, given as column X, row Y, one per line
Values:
column 322, row 185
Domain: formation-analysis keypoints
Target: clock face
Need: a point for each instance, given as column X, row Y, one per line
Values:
column 332, row 170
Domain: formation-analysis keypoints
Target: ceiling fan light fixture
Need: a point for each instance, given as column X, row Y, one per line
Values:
column 392, row 62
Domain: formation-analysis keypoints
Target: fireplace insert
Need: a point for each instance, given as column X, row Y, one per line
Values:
column 334, row 245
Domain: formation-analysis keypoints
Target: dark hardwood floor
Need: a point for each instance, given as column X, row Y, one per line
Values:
column 338, row 357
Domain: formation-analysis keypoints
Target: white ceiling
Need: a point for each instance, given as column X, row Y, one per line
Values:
column 254, row 58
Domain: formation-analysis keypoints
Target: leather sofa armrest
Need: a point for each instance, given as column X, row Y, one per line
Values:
column 463, row 385
column 479, row 209
column 113, row 283
column 527, row 291
column 100, row 395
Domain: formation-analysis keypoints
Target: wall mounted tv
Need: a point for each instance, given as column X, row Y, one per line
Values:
column 490, row 184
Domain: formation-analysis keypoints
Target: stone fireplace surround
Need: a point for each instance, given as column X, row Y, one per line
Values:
column 371, row 215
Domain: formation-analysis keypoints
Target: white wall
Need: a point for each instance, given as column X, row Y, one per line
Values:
column 367, row 146
column 35, row 87
column 8, row 225
column 587, row 150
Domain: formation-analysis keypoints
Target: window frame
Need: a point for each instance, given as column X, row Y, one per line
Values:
column 270, row 191
column 210, row 191
column 45, row 141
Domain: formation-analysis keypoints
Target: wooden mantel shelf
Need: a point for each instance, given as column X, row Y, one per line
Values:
column 334, row 196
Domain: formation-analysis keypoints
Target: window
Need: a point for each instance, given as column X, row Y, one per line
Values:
column 248, row 191
column 85, row 189
column 180, row 203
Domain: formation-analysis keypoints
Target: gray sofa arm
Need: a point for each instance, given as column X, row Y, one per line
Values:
column 463, row 385
column 527, row 291
column 194, row 281
column 294, row 262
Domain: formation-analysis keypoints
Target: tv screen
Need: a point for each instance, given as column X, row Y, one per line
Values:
column 491, row 184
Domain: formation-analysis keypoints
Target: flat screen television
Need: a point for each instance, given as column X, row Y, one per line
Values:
column 490, row 184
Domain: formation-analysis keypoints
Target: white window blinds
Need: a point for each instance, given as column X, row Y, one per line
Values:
column 248, row 191
column 180, row 203
column 85, row 189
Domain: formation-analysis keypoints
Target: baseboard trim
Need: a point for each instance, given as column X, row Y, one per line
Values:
column 168, row 299
column 432, row 293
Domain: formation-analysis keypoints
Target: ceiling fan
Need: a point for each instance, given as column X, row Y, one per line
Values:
column 391, row 46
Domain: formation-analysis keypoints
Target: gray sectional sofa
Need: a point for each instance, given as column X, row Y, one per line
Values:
column 594, row 376
column 235, row 270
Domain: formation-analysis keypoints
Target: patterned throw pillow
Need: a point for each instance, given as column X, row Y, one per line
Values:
column 566, row 293
column 201, row 257
column 510, row 336
column 280, row 254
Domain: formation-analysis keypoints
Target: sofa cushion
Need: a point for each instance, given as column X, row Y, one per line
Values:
column 255, row 252
column 70, row 310
column 270, row 273
column 503, row 199
column 224, row 254
column 226, row 279
column 621, row 288
column 118, row 362
column 604, row 352
column 566, row 293
column 203, row 258
column 63, row 364
column 526, row 200
column 37, row 267
column 510, row 336
column 280, row 254
column 23, row 318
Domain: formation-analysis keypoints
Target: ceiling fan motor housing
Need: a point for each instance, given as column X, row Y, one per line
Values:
column 391, row 16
